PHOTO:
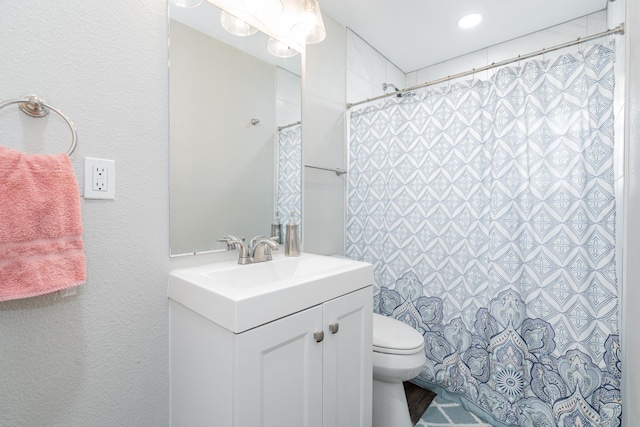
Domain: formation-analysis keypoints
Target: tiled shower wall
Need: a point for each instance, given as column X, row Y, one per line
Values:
column 367, row 70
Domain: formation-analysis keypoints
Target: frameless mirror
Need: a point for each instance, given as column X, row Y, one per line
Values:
column 235, row 132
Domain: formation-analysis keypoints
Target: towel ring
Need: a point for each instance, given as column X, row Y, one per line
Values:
column 35, row 106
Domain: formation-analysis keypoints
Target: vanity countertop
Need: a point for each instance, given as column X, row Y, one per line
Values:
column 241, row 297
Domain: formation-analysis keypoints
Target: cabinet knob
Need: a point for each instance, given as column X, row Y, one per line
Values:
column 319, row 336
column 334, row 328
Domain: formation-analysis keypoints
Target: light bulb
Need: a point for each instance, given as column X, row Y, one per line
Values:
column 279, row 49
column 310, row 26
column 236, row 26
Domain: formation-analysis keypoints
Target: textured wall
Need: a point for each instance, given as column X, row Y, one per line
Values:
column 100, row 357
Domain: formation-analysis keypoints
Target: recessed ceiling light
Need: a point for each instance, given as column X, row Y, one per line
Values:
column 470, row 20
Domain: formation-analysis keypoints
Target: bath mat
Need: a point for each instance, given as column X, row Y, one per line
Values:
column 444, row 413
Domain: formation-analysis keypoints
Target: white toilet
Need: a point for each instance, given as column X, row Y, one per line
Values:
column 397, row 356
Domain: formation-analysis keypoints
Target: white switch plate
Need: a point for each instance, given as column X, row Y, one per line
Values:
column 99, row 178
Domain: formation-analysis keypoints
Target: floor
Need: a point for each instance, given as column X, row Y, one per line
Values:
column 428, row 410
column 418, row 400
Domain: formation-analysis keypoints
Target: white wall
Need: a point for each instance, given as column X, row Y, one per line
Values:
column 631, row 290
column 324, row 142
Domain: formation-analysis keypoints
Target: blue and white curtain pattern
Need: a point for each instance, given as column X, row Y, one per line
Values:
column 487, row 209
column 289, row 175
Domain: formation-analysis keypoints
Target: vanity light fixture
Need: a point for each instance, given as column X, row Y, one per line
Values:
column 264, row 7
column 186, row 3
column 310, row 26
column 301, row 23
column 235, row 25
column 470, row 20
column 279, row 49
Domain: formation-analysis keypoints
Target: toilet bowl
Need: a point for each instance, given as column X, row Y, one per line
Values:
column 398, row 356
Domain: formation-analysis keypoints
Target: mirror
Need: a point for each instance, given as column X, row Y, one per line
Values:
column 235, row 133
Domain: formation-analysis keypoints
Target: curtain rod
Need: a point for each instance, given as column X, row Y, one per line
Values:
column 289, row 125
column 618, row 30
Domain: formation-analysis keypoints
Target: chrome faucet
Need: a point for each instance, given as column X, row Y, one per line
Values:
column 258, row 250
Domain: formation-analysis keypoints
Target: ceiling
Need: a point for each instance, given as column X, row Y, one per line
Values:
column 414, row 34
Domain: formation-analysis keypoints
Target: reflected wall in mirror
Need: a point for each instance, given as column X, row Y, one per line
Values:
column 235, row 133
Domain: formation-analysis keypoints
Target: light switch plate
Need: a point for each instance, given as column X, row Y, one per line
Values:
column 99, row 178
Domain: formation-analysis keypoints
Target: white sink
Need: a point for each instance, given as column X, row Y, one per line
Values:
column 241, row 297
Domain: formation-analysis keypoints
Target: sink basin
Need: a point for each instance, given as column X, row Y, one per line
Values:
column 241, row 297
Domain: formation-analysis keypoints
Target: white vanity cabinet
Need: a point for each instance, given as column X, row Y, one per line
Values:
column 311, row 368
column 278, row 374
column 296, row 372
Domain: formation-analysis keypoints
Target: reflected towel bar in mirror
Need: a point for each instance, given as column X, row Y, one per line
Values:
column 338, row 171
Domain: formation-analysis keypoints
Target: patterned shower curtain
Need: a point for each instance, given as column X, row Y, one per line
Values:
column 488, row 211
column 289, row 174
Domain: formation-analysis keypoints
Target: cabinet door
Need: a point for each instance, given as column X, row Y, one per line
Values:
column 279, row 373
column 348, row 353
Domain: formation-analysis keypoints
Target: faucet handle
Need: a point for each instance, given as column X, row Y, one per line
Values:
column 243, row 256
column 231, row 241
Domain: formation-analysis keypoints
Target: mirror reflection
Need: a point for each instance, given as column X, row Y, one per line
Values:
column 235, row 133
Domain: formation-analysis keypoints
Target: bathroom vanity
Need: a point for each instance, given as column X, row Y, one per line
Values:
column 285, row 343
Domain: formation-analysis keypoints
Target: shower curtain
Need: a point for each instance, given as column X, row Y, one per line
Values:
column 289, row 174
column 487, row 209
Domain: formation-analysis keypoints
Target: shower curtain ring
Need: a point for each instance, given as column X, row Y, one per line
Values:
column 580, row 47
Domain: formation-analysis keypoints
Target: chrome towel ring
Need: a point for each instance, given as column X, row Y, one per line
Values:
column 35, row 106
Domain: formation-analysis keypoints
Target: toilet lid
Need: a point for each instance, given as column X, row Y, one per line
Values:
column 395, row 337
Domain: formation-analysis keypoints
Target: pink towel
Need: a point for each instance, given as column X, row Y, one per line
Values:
column 40, row 225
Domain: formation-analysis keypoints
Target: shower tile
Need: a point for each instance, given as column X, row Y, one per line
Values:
column 411, row 79
column 615, row 13
column 358, row 88
column 553, row 36
column 287, row 112
column 364, row 60
column 597, row 22
column 289, row 88
column 395, row 76
column 454, row 66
